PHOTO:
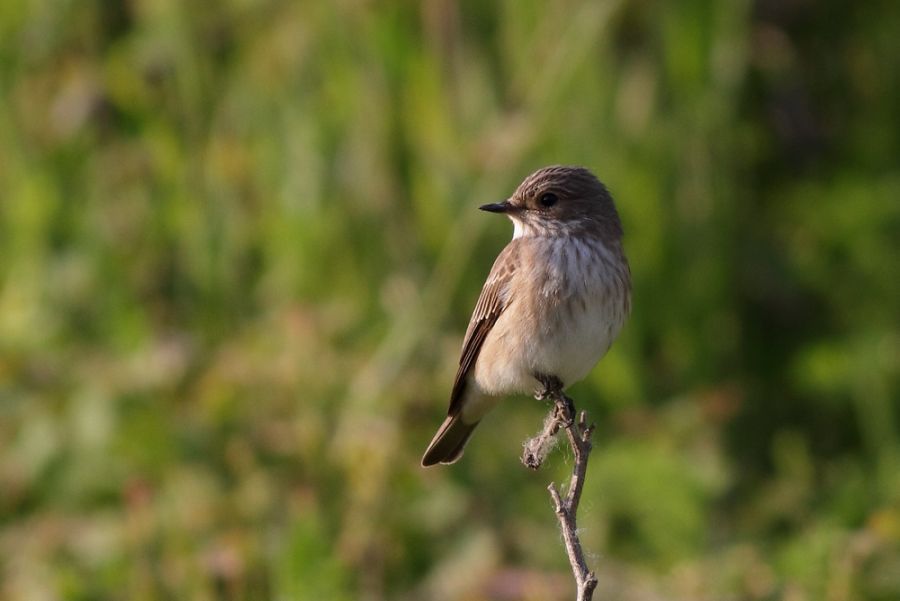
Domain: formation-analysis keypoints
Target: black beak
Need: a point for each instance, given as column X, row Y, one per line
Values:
column 497, row 207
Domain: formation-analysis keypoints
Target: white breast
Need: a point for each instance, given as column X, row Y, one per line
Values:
column 565, row 319
column 579, row 328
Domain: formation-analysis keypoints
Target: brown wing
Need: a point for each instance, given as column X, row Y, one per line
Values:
column 491, row 303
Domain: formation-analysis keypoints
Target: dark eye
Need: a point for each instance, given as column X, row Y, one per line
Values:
column 548, row 199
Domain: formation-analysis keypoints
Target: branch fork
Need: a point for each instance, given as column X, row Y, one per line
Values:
column 536, row 449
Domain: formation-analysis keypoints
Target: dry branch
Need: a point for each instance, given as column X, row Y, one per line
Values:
column 562, row 415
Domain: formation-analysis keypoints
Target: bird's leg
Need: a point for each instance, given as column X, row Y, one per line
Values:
column 552, row 387
column 564, row 407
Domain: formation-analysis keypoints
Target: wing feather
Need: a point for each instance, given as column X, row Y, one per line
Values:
column 491, row 304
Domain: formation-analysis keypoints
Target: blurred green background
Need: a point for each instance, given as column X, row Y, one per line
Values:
column 239, row 246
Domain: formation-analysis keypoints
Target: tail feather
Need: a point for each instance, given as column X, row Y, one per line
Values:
column 447, row 445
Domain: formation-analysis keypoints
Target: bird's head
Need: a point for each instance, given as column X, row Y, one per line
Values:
column 559, row 200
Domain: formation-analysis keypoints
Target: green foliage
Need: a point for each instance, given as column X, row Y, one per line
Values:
column 238, row 249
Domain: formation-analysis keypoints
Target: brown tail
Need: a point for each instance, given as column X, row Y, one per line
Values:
column 447, row 445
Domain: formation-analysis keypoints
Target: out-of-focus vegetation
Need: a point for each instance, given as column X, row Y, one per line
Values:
column 239, row 247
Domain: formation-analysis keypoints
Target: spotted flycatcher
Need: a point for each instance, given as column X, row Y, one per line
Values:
column 555, row 300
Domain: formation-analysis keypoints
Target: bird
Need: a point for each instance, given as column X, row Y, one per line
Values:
column 556, row 298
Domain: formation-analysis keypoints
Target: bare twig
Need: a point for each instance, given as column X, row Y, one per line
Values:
column 536, row 449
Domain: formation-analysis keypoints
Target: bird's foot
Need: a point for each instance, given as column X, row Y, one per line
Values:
column 552, row 390
column 552, row 387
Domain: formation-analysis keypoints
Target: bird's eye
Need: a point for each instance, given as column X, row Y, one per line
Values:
column 548, row 199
